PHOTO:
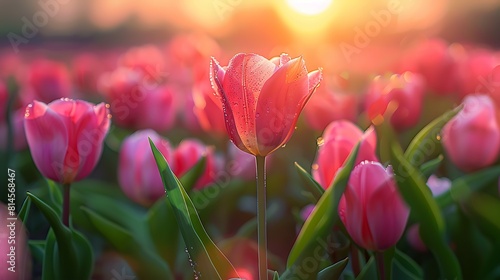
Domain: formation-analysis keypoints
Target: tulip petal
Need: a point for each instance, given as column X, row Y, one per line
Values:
column 47, row 136
column 216, row 77
column 243, row 81
column 353, row 210
column 282, row 98
column 331, row 156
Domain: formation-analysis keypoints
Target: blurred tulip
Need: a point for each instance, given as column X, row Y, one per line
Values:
column 437, row 63
column 15, row 255
column 306, row 211
column 47, row 81
column 66, row 137
column 372, row 209
column 147, row 60
column 137, row 104
column 413, row 238
column 472, row 138
column 404, row 92
column 241, row 164
column 16, row 119
column 337, row 142
column 327, row 105
column 86, row 71
column 188, row 153
column 137, row 171
column 475, row 71
column 262, row 99
column 208, row 108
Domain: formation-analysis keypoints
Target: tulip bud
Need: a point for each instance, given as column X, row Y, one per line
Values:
column 137, row 171
column 402, row 92
column 371, row 207
column 472, row 138
column 337, row 142
column 66, row 137
column 188, row 153
column 262, row 99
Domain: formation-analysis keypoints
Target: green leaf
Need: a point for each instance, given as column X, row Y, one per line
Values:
column 430, row 167
column 276, row 276
column 414, row 190
column 55, row 195
column 206, row 258
column 25, row 210
column 484, row 210
column 68, row 255
column 320, row 223
column 463, row 187
column 369, row 271
column 143, row 258
column 37, row 248
column 189, row 179
column 163, row 229
column 427, row 141
column 333, row 271
column 312, row 186
column 406, row 268
column 250, row 227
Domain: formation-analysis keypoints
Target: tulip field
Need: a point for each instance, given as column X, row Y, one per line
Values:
column 221, row 147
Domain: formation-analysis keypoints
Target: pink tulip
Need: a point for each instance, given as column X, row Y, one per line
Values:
column 337, row 142
column 402, row 92
column 14, row 252
column 472, row 138
column 372, row 209
column 47, row 81
column 16, row 119
column 188, row 153
column 137, row 104
column 477, row 72
column 86, row 71
column 437, row 63
column 147, row 60
column 137, row 172
column 66, row 137
column 327, row 105
column 413, row 238
column 262, row 99
column 207, row 107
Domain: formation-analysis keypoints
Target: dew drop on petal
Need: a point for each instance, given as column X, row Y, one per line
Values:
column 320, row 141
column 315, row 166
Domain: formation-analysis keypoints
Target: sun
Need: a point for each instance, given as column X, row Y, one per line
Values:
column 309, row 7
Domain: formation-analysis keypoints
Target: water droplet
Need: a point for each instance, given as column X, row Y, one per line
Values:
column 315, row 166
column 257, row 115
column 320, row 141
column 438, row 137
column 284, row 145
column 107, row 105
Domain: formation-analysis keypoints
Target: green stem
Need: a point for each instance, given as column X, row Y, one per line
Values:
column 66, row 208
column 384, row 263
column 260, row 163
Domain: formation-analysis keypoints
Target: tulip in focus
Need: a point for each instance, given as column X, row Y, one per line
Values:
column 66, row 137
column 188, row 153
column 472, row 138
column 262, row 99
column 372, row 209
column 137, row 173
column 16, row 264
column 403, row 92
column 337, row 142
column 327, row 105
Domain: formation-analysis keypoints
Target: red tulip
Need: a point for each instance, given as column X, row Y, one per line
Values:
column 188, row 153
column 207, row 107
column 148, row 60
column 404, row 92
column 137, row 173
column 477, row 72
column 337, row 142
column 47, row 81
column 66, row 137
column 137, row 104
column 372, row 209
column 327, row 106
column 262, row 99
column 14, row 252
column 472, row 138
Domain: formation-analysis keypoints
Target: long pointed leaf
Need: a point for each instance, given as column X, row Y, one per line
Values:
column 312, row 186
column 333, row 271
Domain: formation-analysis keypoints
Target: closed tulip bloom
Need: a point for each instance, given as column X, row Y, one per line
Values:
column 66, row 137
column 472, row 138
column 262, row 99
column 337, row 142
column 405, row 92
column 137, row 172
column 372, row 209
column 188, row 153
